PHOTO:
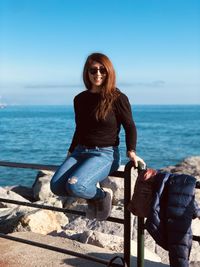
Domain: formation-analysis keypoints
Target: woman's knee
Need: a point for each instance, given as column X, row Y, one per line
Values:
column 75, row 188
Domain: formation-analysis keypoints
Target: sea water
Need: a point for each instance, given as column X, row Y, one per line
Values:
column 42, row 134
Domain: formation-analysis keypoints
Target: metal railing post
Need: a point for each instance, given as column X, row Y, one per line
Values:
column 127, row 214
column 140, row 242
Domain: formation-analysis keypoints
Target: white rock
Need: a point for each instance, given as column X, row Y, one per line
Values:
column 42, row 221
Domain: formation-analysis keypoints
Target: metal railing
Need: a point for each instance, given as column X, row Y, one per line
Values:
column 126, row 174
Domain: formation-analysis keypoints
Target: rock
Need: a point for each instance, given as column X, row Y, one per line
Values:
column 54, row 202
column 102, row 240
column 195, row 252
column 22, row 218
column 189, row 166
column 79, row 224
column 9, row 217
column 196, row 227
column 114, row 243
column 162, row 253
column 24, row 191
column 7, row 194
column 195, row 264
column 41, row 222
column 14, row 217
column 41, row 186
column 117, row 186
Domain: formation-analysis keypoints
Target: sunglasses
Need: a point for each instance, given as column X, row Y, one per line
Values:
column 94, row 70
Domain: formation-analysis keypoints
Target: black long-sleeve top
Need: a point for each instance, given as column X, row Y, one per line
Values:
column 91, row 132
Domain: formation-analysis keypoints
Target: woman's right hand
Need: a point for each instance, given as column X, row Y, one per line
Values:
column 133, row 157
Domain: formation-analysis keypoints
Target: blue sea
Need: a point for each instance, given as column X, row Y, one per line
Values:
column 42, row 134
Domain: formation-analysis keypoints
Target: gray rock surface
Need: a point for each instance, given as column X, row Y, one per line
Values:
column 9, row 194
column 113, row 242
column 24, row 191
column 189, row 166
column 41, row 186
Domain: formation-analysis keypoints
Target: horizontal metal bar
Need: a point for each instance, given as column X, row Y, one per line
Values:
column 119, row 174
column 196, row 238
column 28, row 165
column 33, row 166
column 57, row 249
column 47, row 207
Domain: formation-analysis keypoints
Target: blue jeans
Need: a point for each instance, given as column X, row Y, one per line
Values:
column 83, row 169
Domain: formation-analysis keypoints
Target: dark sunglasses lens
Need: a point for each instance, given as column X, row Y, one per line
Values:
column 95, row 70
column 102, row 70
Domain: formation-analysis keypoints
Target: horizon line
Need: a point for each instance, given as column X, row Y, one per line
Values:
column 144, row 104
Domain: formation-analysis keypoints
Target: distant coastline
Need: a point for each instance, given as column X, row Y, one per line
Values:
column 2, row 105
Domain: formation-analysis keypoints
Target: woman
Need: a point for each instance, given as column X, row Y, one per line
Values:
column 100, row 110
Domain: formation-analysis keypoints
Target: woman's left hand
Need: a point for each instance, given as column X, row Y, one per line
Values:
column 133, row 157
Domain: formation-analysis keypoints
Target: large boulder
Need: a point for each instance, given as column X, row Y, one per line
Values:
column 14, row 217
column 42, row 221
column 31, row 219
column 10, row 217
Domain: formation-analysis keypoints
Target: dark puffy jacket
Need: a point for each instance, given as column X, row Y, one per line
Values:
column 173, row 209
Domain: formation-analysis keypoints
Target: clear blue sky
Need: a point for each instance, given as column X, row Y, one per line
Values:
column 153, row 44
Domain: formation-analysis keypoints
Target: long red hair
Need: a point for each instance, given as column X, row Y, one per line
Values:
column 108, row 92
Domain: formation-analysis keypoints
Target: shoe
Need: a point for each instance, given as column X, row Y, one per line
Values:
column 104, row 205
column 91, row 209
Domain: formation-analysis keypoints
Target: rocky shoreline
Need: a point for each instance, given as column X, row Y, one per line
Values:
column 14, row 218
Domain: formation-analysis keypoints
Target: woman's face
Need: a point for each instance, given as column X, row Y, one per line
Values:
column 97, row 74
